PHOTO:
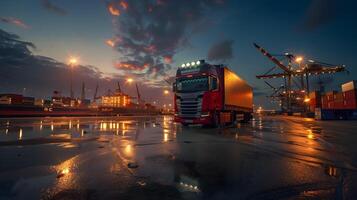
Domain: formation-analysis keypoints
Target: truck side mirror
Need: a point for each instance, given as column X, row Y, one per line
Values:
column 213, row 83
column 174, row 87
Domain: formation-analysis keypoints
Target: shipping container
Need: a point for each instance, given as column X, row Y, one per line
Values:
column 237, row 92
column 338, row 105
column 324, row 99
column 315, row 95
column 350, row 95
column 327, row 114
column 335, row 114
column 350, row 104
column 349, row 86
column 15, row 99
column 314, row 103
column 28, row 100
column 338, row 96
column 39, row 102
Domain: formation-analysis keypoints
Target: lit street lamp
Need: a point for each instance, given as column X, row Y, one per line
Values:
column 299, row 59
column 129, row 80
column 166, row 92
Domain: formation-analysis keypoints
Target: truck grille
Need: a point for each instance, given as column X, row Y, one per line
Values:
column 189, row 107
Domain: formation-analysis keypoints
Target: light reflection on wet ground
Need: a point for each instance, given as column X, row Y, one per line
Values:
column 152, row 157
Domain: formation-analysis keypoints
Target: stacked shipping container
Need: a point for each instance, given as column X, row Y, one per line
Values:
column 347, row 99
column 315, row 100
column 339, row 105
column 327, row 100
column 349, row 95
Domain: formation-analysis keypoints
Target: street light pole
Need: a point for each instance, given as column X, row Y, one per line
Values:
column 71, row 82
column 72, row 62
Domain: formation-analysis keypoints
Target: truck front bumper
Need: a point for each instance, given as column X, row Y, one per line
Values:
column 201, row 120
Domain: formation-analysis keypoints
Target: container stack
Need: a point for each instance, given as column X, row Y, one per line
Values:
column 339, row 105
column 338, row 100
column 349, row 91
column 327, row 100
column 315, row 100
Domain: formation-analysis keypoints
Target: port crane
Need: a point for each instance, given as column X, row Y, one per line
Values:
column 119, row 89
column 290, row 72
column 277, row 95
column 95, row 97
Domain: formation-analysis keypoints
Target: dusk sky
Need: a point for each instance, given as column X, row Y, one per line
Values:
column 148, row 39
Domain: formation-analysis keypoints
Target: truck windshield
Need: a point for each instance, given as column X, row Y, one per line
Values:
column 192, row 84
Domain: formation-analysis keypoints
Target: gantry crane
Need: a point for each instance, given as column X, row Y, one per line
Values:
column 291, row 71
column 277, row 95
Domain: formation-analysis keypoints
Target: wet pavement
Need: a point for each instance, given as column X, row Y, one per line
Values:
column 154, row 158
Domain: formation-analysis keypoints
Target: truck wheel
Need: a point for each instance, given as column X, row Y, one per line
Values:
column 215, row 120
column 247, row 117
column 235, row 121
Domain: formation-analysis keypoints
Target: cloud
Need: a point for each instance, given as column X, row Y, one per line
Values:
column 150, row 33
column 112, row 8
column 41, row 75
column 320, row 12
column 221, row 51
column 48, row 5
column 14, row 21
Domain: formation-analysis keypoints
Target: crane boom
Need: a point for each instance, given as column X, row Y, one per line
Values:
column 272, row 58
column 119, row 89
column 272, row 87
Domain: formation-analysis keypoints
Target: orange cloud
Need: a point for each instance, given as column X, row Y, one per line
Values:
column 130, row 66
column 113, row 42
column 113, row 10
column 110, row 42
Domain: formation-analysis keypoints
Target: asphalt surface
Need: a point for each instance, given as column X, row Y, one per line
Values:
column 154, row 158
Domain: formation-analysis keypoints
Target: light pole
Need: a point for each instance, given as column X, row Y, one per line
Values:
column 72, row 62
column 299, row 60
column 306, row 89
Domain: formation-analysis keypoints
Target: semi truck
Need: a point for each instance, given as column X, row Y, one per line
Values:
column 210, row 95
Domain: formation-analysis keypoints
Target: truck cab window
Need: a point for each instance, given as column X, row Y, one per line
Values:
column 193, row 84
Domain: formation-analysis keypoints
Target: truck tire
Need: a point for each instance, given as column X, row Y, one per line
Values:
column 215, row 120
column 247, row 117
